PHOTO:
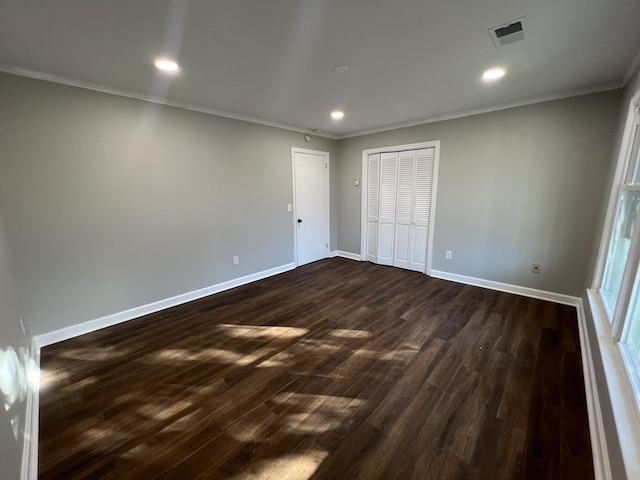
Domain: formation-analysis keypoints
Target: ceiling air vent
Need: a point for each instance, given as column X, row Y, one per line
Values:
column 507, row 33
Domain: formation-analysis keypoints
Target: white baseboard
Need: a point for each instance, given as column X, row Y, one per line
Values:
column 599, row 450
column 29, row 466
column 508, row 288
column 103, row 322
column 340, row 253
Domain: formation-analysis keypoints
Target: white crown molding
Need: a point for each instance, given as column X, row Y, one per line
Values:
column 504, row 106
column 48, row 77
column 72, row 331
column 508, row 288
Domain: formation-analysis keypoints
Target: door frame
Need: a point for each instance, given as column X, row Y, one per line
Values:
column 295, row 150
column 435, row 144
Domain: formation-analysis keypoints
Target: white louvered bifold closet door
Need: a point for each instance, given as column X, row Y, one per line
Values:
column 404, row 208
column 421, row 210
column 373, row 188
column 387, row 207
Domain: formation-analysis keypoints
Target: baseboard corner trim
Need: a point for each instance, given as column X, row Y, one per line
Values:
column 508, row 288
column 72, row 331
column 349, row 255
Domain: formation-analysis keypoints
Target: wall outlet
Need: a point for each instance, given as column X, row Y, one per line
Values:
column 448, row 255
column 535, row 267
column 236, row 260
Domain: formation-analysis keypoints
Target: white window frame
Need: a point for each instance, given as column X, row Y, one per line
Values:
column 630, row 147
column 623, row 386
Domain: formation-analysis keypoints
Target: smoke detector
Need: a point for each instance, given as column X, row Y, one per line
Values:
column 507, row 33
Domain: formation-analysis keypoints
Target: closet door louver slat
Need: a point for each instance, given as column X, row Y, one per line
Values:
column 404, row 208
column 421, row 209
column 387, row 207
column 373, row 187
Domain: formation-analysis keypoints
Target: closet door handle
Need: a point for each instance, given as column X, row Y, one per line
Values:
column 299, row 221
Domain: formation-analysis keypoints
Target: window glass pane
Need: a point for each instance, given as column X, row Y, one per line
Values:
column 635, row 159
column 631, row 333
column 619, row 248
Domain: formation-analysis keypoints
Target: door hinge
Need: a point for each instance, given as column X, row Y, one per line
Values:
column 326, row 165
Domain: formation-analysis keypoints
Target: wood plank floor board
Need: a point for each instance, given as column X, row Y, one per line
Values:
column 337, row 369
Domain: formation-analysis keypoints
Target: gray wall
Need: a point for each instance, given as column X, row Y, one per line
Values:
column 112, row 203
column 11, row 337
column 516, row 186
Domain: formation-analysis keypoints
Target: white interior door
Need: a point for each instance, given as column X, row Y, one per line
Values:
column 387, row 207
column 404, row 208
column 311, row 201
column 373, row 189
column 421, row 209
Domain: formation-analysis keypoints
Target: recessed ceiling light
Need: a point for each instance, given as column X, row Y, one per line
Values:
column 166, row 65
column 493, row 74
column 337, row 114
column 340, row 69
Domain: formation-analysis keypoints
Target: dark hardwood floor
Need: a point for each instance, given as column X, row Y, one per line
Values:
column 338, row 369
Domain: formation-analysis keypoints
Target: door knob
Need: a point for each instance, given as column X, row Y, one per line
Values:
column 299, row 221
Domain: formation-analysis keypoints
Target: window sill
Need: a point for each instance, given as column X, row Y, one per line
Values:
column 621, row 394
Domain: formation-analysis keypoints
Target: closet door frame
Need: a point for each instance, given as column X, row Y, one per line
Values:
column 435, row 144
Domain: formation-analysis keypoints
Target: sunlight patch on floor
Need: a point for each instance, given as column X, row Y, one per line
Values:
column 94, row 354
column 279, row 360
column 102, row 437
column 320, row 346
column 79, row 386
column 318, row 413
column 349, row 333
column 402, row 356
column 287, row 467
column 313, row 423
column 226, row 357
column 308, row 402
column 163, row 412
column 256, row 427
column 50, row 379
column 254, row 331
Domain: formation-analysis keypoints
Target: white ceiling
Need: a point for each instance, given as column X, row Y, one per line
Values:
column 410, row 60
